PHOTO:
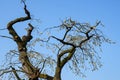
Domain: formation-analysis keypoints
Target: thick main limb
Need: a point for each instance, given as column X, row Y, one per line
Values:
column 32, row 72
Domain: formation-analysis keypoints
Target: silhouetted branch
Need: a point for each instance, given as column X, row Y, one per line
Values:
column 70, row 53
column 11, row 23
column 6, row 37
column 43, row 66
column 63, row 42
column 28, row 37
column 15, row 73
column 66, row 59
column 87, row 34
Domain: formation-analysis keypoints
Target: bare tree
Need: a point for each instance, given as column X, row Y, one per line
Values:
column 76, row 47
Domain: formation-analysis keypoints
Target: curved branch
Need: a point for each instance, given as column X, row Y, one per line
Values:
column 43, row 66
column 11, row 23
column 28, row 37
column 70, row 52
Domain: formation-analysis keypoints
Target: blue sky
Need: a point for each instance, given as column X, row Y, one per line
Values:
column 51, row 12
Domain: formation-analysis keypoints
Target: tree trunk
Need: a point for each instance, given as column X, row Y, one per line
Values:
column 57, row 74
column 27, row 67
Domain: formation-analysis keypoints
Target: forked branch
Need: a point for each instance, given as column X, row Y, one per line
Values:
column 11, row 23
column 15, row 73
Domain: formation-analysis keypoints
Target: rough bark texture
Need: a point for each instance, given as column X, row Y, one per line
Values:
column 32, row 72
column 61, row 63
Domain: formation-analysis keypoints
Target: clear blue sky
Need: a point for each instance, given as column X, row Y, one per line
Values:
column 50, row 12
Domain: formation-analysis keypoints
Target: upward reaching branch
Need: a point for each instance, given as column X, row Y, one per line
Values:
column 28, row 37
column 32, row 72
column 11, row 23
column 70, row 52
column 20, row 19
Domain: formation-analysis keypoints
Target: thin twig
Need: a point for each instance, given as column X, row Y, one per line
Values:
column 43, row 65
column 3, row 29
column 6, row 37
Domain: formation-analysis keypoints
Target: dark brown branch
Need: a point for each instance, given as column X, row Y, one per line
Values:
column 83, row 41
column 20, row 19
column 11, row 23
column 45, row 76
column 64, row 52
column 28, row 37
column 87, row 34
column 61, row 62
column 27, row 67
column 70, row 52
column 30, row 29
column 62, row 41
column 93, row 27
column 6, row 37
column 15, row 73
column 66, row 33
column 32, row 72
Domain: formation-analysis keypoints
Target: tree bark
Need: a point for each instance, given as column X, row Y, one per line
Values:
column 31, row 71
column 57, row 74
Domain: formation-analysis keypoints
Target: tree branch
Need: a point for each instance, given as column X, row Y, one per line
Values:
column 15, row 73
column 45, row 76
column 66, row 33
column 27, row 67
column 28, row 37
column 87, row 34
column 43, row 66
column 6, row 37
column 11, row 23
column 3, row 71
column 62, row 41
column 70, row 52
column 3, row 29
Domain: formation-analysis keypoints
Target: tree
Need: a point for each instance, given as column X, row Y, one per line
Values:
column 76, row 47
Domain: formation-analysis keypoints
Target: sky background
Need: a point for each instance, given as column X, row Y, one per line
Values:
column 51, row 12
